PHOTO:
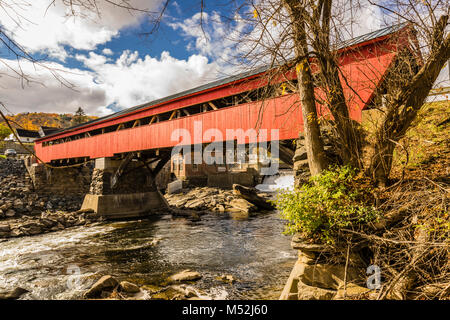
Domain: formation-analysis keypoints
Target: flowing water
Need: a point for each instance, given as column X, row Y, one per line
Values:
column 283, row 180
column 62, row 265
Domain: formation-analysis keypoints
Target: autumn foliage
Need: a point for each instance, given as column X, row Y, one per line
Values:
column 32, row 121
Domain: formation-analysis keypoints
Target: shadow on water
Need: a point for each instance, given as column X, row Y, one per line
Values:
column 61, row 265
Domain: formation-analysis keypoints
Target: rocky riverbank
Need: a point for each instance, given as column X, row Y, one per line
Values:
column 24, row 212
column 18, row 197
column 46, row 222
column 240, row 200
column 178, row 287
column 323, row 272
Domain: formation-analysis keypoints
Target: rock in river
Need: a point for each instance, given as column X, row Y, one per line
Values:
column 4, row 229
column 226, row 278
column 242, row 205
column 13, row 295
column 129, row 287
column 251, row 195
column 104, row 283
column 185, row 275
column 240, row 199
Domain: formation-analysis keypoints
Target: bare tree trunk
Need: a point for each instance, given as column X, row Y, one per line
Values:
column 314, row 147
column 348, row 144
column 407, row 104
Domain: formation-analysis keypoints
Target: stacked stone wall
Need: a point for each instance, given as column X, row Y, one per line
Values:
column 64, row 181
column 133, row 182
column 325, row 272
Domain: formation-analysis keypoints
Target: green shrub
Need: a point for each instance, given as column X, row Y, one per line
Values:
column 329, row 202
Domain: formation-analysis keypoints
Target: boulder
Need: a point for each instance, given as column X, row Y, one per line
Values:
column 47, row 222
column 104, row 283
column 328, row 276
column 14, row 294
column 306, row 292
column 181, row 202
column 5, row 228
column 351, row 291
column 251, row 195
column 300, row 243
column 4, row 207
column 185, row 275
column 219, row 208
column 186, row 292
column 152, row 289
column 129, row 287
column 300, row 154
column 226, row 278
column 32, row 228
column 305, row 257
column 196, row 204
column 18, row 204
column 242, row 205
column 301, row 165
column 169, row 293
column 10, row 213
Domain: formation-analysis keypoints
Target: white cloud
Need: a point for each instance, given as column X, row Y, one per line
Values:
column 132, row 80
column 208, row 35
column 107, row 51
column 177, row 7
column 94, row 60
column 352, row 19
column 125, row 82
column 45, row 93
column 43, row 28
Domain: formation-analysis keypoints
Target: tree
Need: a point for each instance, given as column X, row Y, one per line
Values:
column 4, row 131
column 79, row 117
column 406, row 97
column 314, row 146
column 304, row 38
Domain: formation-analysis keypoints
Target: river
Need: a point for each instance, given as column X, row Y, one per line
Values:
column 62, row 265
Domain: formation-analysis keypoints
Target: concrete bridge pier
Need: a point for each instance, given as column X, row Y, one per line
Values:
column 125, row 188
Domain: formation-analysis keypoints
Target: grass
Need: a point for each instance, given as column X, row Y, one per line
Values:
column 427, row 139
column 426, row 145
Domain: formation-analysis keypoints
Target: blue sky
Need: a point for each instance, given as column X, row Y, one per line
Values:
column 134, row 38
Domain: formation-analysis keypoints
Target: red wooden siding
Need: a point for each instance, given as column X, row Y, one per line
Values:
column 363, row 69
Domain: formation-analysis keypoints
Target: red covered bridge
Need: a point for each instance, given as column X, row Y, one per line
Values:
column 231, row 103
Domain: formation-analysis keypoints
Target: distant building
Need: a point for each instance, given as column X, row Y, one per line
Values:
column 220, row 174
column 182, row 170
column 45, row 131
column 25, row 136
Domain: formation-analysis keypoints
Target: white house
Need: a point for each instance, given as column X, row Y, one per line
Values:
column 25, row 136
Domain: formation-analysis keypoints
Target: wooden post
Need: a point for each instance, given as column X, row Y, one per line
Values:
column 212, row 105
column 137, row 123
